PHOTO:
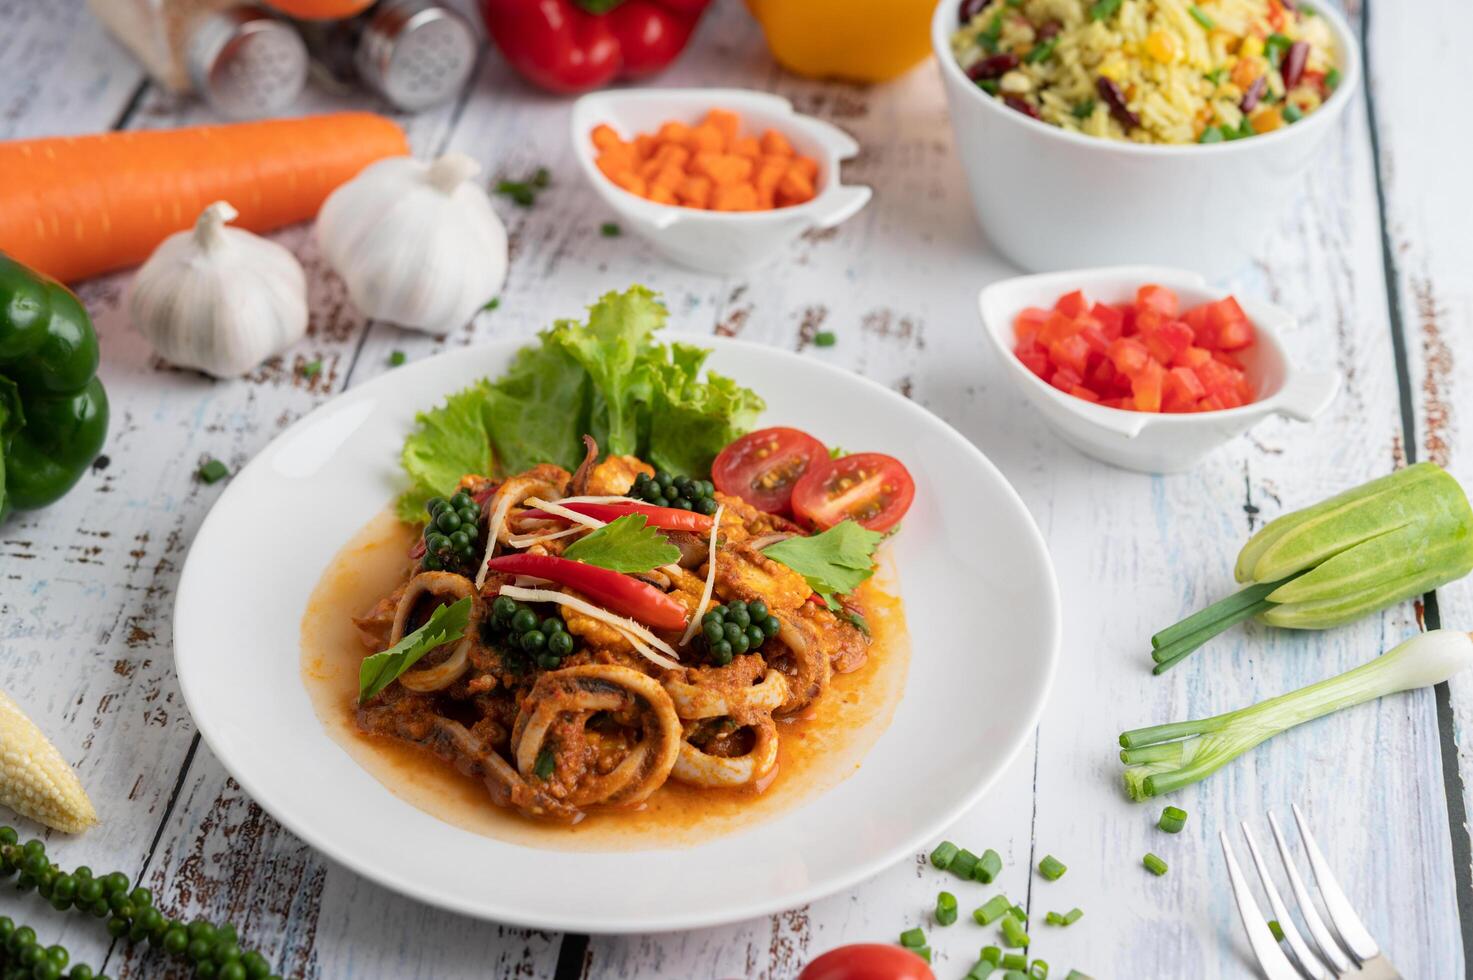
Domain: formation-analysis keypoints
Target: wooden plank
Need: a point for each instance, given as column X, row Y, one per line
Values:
column 1428, row 257
column 60, row 72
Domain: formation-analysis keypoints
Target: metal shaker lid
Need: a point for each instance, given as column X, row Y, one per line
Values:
column 416, row 53
column 245, row 62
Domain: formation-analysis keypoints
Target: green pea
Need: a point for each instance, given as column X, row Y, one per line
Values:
column 705, row 505
column 117, row 927
column 176, row 940
column 560, row 644
column 225, row 951
column 755, row 636
column 255, row 965
column 551, row 625
column 740, row 617
column 447, row 520
column 771, row 627
column 533, row 641
column 205, row 970
column 714, row 616
column 80, row 972
column 198, row 950
column 58, row 955
column 232, row 971
column 736, row 605
column 713, row 631
column 22, row 937
column 504, row 608
column 664, row 479
column 740, row 644
column 525, row 621
column 433, row 564
column 548, row 662
column 46, row 970
column 733, row 632
column 757, row 609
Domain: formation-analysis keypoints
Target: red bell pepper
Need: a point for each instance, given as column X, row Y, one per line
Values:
column 664, row 518
column 577, row 45
column 615, row 591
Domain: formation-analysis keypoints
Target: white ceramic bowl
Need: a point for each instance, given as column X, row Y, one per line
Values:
column 1053, row 199
column 1148, row 441
column 712, row 241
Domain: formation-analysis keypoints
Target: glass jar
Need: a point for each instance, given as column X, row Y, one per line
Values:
column 241, row 59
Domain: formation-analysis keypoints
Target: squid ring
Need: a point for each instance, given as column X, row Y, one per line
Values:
column 810, row 673
column 562, row 701
column 441, row 585
column 698, row 768
column 696, row 701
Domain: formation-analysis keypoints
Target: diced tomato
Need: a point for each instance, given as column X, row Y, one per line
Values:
column 1192, row 357
column 1165, row 339
column 1056, row 327
column 1129, row 355
column 1071, row 352
column 1072, row 304
column 1029, row 322
column 1220, row 315
column 1101, row 375
column 1182, row 390
column 1065, row 379
column 1157, row 298
column 1111, row 320
column 1211, row 403
column 1235, row 336
column 1124, row 403
column 1095, row 338
column 1146, row 385
column 1034, row 358
column 1080, row 391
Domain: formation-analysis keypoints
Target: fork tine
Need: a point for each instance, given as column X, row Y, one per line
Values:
column 1317, row 928
column 1270, row 957
column 1308, row 962
column 1352, row 931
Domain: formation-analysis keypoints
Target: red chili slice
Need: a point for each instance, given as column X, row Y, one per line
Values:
column 615, row 591
column 664, row 518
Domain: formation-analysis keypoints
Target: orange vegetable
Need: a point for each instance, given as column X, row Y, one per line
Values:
column 319, row 9
column 710, row 165
column 72, row 207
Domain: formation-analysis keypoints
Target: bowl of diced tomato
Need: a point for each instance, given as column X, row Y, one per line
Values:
column 1147, row 367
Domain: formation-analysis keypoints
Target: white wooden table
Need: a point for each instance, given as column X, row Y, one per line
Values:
column 1374, row 259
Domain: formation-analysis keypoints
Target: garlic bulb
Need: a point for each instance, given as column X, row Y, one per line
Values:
column 418, row 244
column 217, row 299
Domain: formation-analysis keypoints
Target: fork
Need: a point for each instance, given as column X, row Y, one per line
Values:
column 1364, row 960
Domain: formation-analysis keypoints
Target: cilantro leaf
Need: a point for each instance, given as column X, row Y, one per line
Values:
column 833, row 562
column 445, row 625
column 624, row 545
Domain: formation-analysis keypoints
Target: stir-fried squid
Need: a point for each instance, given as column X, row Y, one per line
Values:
column 559, row 697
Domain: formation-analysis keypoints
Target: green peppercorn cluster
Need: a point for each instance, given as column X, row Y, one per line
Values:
column 545, row 641
column 737, row 627
column 680, row 492
column 452, row 534
column 131, row 916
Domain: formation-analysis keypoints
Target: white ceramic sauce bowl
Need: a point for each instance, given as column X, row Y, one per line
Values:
column 717, row 241
column 1049, row 198
column 1148, row 441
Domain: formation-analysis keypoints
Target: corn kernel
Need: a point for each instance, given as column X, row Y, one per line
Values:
column 1115, row 70
column 1161, row 46
column 1251, row 47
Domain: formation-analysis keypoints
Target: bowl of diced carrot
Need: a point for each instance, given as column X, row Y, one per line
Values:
column 1145, row 367
column 716, row 179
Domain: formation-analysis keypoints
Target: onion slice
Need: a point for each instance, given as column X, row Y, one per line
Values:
column 639, row 637
column 695, row 618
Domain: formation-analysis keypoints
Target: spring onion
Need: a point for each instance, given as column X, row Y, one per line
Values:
column 1200, row 16
column 991, row 954
column 1015, row 961
column 1163, row 758
column 1038, row 970
column 924, row 952
column 1013, row 935
column 941, row 857
column 1051, row 868
column 963, row 864
column 980, row 970
column 825, row 338
column 1017, row 912
column 1076, row 975
column 945, row 909
column 1064, row 918
column 1332, row 79
column 988, row 865
column 1292, row 113
column 1154, row 865
column 913, row 938
column 1276, row 929
column 1173, row 819
column 1354, row 554
column 213, row 471
column 993, row 909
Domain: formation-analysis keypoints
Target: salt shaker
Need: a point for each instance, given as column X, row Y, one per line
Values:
column 413, row 53
column 242, row 60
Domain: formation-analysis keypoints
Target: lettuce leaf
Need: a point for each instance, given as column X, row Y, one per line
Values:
column 606, row 376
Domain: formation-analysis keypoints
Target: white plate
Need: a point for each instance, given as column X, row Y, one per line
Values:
column 980, row 598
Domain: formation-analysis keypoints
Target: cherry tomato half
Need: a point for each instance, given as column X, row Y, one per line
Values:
column 872, row 489
column 761, row 467
column 868, row 961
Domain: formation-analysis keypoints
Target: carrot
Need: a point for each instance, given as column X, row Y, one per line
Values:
column 319, row 9
column 605, row 137
column 776, row 144
column 73, row 207
column 727, row 121
column 706, row 138
column 746, row 146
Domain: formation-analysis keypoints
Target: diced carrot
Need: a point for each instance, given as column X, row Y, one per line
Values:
column 769, row 175
column 734, row 197
column 776, row 144
column 795, row 186
column 644, row 145
column 695, row 191
column 662, row 195
column 723, row 168
column 725, row 120
column 674, row 131
column 807, row 166
column 706, row 138
column 669, row 177
column 631, row 182
column 604, row 137
column 745, row 146
column 615, row 161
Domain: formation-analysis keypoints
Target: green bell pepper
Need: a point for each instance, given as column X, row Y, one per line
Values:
column 53, row 410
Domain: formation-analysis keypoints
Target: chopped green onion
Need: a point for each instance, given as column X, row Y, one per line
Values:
column 963, row 864
column 397, row 358
column 311, row 369
column 1276, row 929
column 1015, row 961
column 1015, row 975
column 1040, row 52
column 1332, row 79
column 1103, row 9
column 1154, row 865
column 1017, row 912
column 1274, row 47
column 945, row 909
column 1216, row 75
column 941, row 857
column 1055, row 919
column 1038, row 970
column 913, row 938
column 1076, row 975
column 1013, row 935
column 1051, row 868
column 1292, row 113
column 992, row 954
column 610, row 230
column 541, row 178
column 990, row 86
column 1200, row 16
column 492, row 303
column 988, row 865
column 1073, row 915
column 544, row 764
column 1211, row 135
column 824, row 338
column 991, row 910
column 1083, row 110
column 213, row 471
column 980, row 970
column 924, row 952
column 988, row 36
column 1172, row 820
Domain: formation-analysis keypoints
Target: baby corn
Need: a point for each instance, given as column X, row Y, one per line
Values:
column 1368, row 548
column 35, row 781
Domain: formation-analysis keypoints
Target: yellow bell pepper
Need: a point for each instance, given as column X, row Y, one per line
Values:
column 856, row 40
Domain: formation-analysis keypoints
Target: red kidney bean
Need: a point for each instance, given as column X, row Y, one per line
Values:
column 1294, row 62
column 1022, row 105
column 1049, row 30
column 1254, row 94
column 970, row 9
column 992, row 66
column 1115, row 99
